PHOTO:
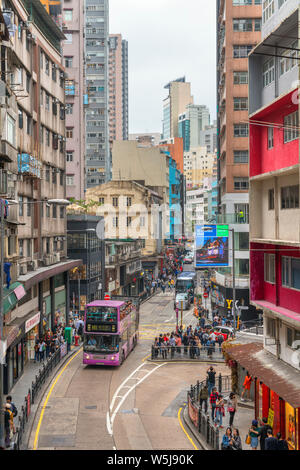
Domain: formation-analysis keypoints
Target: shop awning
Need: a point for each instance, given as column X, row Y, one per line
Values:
column 12, row 296
column 280, row 377
column 41, row 274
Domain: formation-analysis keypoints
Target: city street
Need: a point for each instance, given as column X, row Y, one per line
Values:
column 135, row 406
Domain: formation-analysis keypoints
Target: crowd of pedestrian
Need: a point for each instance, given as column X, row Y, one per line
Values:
column 47, row 344
column 189, row 341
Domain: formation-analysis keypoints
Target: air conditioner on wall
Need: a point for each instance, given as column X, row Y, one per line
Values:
column 23, row 269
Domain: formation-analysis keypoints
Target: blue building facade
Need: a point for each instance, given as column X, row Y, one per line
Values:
column 184, row 132
column 175, row 200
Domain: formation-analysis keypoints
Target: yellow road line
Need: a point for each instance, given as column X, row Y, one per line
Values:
column 47, row 399
column 182, row 427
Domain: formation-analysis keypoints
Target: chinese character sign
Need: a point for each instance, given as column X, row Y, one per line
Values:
column 212, row 246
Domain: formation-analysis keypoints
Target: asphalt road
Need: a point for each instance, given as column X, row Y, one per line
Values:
column 132, row 407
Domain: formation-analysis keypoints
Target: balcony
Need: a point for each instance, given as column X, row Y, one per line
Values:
column 232, row 219
column 3, row 182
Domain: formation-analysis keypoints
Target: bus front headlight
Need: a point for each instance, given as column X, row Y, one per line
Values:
column 112, row 358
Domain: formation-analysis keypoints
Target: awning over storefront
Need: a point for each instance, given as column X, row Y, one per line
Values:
column 46, row 272
column 280, row 377
column 12, row 296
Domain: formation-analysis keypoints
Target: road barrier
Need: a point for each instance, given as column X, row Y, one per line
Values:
column 202, row 420
column 30, row 398
column 184, row 353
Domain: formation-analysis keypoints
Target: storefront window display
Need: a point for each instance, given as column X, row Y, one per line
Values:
column 291, row 425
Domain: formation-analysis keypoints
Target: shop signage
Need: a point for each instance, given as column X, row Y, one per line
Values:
column 3, row 347
column 32, row 322
column 271, row 417
column 212, row 246
column 20, row 292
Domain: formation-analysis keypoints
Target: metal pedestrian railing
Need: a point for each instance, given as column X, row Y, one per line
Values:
column 183, row 353
column 30, row 398
column 202, row 420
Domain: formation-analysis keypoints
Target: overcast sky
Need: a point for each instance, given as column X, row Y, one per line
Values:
column 167, row 39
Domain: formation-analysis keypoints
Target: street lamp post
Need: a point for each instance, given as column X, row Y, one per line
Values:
column 233, row 282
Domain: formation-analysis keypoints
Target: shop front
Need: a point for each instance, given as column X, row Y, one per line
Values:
column 277, row 390
column 20, row 336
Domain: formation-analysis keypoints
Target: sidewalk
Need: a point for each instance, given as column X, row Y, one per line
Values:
column 24, row 384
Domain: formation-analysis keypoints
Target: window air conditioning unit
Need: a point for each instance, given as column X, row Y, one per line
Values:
column 47, row 260
column 23, row 269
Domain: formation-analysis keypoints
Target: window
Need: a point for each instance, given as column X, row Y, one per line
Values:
column 47, row 212
column 29, row 203
column 257, row 24
column 270, row 268
column 115, row 201
column 290, row 272
column 70, row 180
column 240, row 104
column 241, row 51
column 291, row 124
column 28, row 248
column 115, row 222
column 69, row 62
column 70, row 156
column 54, row 72
column 129, row 219
column 68, row 15
column 11, row 130
column 27, row 83
column 47, row 137
column 271, row 328
column 61, row 212
column 290, row 197
column 69, row 133
column 54, row 211
column 54, row 173
column 61, row 177
column 242, row 24
column 241, row 2
column 101, row 200
column 47, row 65
column 268, row 72
column 270, row 137
column 241, row 156
column 21, row 206
column 128, row 201
column 47, row 102
column 241, row 184
column 271, row 199
column 21, row 248
column 69, row 108
column 240, row 78
column 241, row 130
column 69, row 38
column 268, row 9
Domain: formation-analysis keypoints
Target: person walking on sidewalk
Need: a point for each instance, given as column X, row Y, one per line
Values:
column 247, row 386
column 231, row 407
column 265, row 427
column 254, row 432
column 8, row 424
column 220, row 412
column 203, row 397
column 214, row 396
column 211, row 379
column 271, row 443
column 13, row 407
column 282, row 444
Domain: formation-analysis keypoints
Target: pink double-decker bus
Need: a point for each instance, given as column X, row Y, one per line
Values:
column 110, row 331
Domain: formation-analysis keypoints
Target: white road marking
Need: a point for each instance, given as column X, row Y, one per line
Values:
column 129, row 391
column 108, row 425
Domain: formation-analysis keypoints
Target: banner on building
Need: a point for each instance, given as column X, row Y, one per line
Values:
column 212, row 246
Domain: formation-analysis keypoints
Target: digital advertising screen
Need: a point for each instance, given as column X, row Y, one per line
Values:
column 211, row 246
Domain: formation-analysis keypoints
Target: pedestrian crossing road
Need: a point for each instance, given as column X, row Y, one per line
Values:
column 150, row 331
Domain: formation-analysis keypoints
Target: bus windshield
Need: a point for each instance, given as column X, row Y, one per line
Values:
column 101, row 344
column 102, row 314
column 184, row 285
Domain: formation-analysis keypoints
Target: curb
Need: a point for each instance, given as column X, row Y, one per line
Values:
column 25, row 443
column 200, row 440
column 175, row 361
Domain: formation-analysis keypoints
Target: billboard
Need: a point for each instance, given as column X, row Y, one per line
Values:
column 211, row 246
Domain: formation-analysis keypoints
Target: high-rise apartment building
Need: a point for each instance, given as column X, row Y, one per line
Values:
column 208, row 138
column 238, row 31
column 174, row 105
column 191, row 123
column 118, row 88
column 98, row 161
column 69, row 16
